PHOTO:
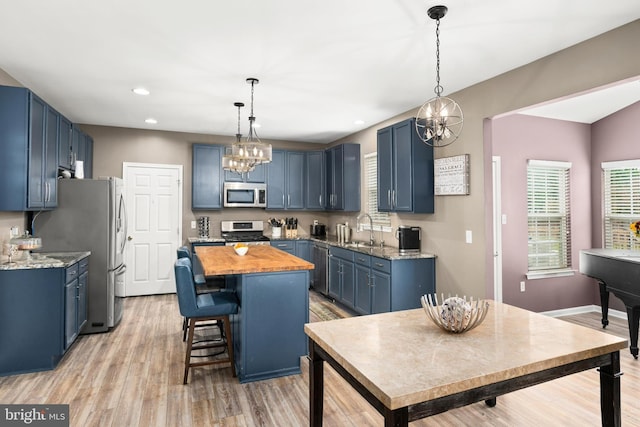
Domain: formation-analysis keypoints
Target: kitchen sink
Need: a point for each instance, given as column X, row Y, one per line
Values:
column 364, row 245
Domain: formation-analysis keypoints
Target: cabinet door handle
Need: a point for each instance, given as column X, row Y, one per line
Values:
column 288, row 199
column 389, row 198
column 379, row 265
column 282, row 199
column 320, row 200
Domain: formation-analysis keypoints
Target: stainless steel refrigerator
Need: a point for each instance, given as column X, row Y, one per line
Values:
column 91, row 216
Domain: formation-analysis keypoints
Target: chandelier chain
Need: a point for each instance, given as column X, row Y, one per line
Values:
column 438, row 88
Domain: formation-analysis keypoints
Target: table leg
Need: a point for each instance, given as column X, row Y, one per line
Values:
column 610, row 392
column 396, row 417
column 491, row 402
column 316, row 386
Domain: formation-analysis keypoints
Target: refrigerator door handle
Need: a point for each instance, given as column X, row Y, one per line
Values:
column 122, row 213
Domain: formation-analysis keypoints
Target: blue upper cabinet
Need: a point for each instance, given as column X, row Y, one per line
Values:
column 259, row 175
column 405, row 170
column 315, row 180
column 286, row 180
column 343, row 177
column 206, row 190
column 82, row 149
column 66, row 156
column 275, row 180
column 29, row 161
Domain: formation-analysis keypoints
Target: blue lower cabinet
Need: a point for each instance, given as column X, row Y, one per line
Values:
column 268, row 331
column 288, row 246
column 43, row 310
column 368, row 284
column 31, row 335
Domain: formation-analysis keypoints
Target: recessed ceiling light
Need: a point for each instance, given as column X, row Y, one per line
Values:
column 151, row 121
column 358, row 122
column 140, row 91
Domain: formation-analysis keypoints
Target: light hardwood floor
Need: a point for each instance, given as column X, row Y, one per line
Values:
column 132, row 376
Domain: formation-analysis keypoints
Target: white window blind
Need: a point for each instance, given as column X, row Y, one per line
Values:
column 621, row 188
column 371, row 177
column 548, row 214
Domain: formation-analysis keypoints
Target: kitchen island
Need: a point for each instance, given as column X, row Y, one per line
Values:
column 273, row 294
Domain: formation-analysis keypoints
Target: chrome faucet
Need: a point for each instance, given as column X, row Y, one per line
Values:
column 359, row 227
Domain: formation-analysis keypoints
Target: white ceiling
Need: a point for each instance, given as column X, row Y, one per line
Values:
column 321, row 64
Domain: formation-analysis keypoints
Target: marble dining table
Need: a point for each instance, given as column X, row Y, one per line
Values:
column 408, row 368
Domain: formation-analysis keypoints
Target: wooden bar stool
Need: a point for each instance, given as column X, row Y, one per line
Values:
column 202, row 308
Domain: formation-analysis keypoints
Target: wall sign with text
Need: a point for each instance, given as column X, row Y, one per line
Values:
column 451, row 175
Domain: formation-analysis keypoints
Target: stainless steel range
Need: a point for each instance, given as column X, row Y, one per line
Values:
column 249, row 232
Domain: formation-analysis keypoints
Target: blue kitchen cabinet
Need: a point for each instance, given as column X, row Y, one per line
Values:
column 66, row 156
column 276, row 180
column 76, row 279
column 343, row 177
column 29, row 161
column 258, row 175
column 370, row 284
column 315, row 170
column 303, row 250
column 380, row 277
column 268, row 330
column 46, row 307
column 288, row 246
column 405, row 170
column 373, row 284
column 82, row 146
column 285, row 180
column 206, row 185
column 342, row 276
column 362, row 299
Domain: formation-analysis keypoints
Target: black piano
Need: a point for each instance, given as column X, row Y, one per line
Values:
column 618, row 271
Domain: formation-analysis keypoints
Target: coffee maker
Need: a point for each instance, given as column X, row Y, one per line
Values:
column 409, row 238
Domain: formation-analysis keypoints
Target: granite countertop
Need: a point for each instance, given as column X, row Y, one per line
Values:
column 222, row 260
column 206, row 240
column 386, row 252
column 46, row 260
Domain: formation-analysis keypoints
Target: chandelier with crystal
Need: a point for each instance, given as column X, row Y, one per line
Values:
column 244, row 156
column 439, row 120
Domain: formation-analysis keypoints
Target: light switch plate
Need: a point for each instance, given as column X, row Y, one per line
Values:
column 193, row 225
column 469, row 236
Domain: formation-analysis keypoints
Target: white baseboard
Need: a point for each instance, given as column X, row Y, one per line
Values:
column 584, row 309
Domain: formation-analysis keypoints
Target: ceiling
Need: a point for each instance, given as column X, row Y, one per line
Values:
column 321, row 65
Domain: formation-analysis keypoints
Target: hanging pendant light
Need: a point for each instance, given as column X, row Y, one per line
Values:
column 236, row 163
column 439, row 120
column 244, row 156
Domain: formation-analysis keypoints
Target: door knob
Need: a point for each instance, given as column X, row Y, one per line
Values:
column 129, row 238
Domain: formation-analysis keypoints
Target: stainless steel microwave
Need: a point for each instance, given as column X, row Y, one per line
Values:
column 244, row 195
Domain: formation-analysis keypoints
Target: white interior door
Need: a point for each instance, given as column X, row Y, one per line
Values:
column 154, row 195
column 498, row 220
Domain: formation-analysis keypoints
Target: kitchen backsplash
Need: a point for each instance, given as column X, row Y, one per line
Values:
column 8, row 220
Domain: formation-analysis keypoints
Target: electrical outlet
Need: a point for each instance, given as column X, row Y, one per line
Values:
column 522, row 286
column 193, row 225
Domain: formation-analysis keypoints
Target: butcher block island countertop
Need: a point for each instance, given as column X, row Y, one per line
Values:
column 223, row 260
column 272, row 287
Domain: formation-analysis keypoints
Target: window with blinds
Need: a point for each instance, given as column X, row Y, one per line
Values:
column 621, row 194
column 371, row 178
column 548, row 215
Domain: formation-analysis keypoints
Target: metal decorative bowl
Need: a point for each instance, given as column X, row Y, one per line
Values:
column 455, row 314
